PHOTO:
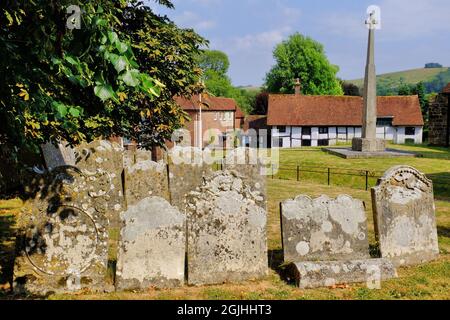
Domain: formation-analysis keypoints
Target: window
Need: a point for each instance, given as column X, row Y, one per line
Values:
column 410, row 131
column 281, row 129
column 342, row 130
column 306, row 143
column 384, row 122
column 322, row 142
column 306, row 131
column 323, row 130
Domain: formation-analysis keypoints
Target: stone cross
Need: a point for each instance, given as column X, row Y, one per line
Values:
column 369, row 142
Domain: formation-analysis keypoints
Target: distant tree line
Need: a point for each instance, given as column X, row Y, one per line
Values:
column 433, row 65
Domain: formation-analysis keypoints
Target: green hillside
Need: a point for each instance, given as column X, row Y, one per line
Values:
column 413, row 76
column 434, row 79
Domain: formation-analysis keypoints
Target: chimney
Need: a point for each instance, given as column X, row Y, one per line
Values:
column 298, row 87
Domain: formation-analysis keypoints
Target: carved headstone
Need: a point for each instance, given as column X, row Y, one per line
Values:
column 152, row 246
column 404, row 215
column 100, row 157
column 324, row 229
column 227, row 239
column 62, row 243
column 146, row 179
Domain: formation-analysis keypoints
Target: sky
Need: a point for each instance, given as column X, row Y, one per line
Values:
column 413, row 32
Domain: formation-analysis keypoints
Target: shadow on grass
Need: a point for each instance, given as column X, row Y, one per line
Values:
column 277, row 264
column 441, row 185
column 430, row 152
column 443, row 232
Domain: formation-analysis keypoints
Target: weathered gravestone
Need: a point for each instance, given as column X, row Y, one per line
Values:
column 186, row 171
column 331, row 273
column 227, row 239
column 250, row 167
column 62, row 243
column 152, row 246
column 326, row 239
column 146, row 179
column 324, row 229
column 100, row 157
column 404, row 215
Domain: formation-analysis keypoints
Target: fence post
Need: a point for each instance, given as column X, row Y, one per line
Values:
column 329, row 176
column 367, row 180
column 273, row 171
column 298, row 173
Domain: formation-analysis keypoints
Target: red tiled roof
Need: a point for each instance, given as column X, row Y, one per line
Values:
column 300, row 110
column 446, row 89
column 255, row 122
column 213, row 104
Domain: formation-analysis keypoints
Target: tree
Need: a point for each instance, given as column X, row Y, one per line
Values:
column 75, row 85
column 350, row 89
column 433, row 65
column 215, row 66
column 169, row 54
column 214, row 60
column 304, row 58
column 261, row 103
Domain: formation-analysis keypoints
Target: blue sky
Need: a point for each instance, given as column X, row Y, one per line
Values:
column 413, row 32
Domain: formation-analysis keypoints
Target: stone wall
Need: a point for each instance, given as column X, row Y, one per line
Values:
column 438, row 121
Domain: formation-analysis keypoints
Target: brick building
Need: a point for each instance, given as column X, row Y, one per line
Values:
column 212, row 119
column 439, row 119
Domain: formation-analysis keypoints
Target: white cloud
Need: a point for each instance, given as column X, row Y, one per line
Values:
column 263, row 40
column 189, row 19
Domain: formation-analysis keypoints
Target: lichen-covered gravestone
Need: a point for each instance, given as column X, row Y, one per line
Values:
column 404, row 215
column 227, row 239
column 248, row 164
column 146, row 179
column 324, row 229
column 62, row 243
column 102, row 157
column 152, row 246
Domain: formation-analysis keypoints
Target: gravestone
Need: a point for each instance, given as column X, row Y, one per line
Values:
column 186, row 171
column 247, row 163
column 227, row 239
column 324, row 229
column 152, row 246
column 146, row 179
column 100, row 157
column 331, row 273
column 404, row 215
column 62, row 242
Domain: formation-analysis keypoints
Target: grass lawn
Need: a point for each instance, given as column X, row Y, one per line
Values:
column 429, row 281
column 433, row 161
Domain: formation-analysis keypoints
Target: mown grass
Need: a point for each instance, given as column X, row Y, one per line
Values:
column 428, row 281
column 434, row 161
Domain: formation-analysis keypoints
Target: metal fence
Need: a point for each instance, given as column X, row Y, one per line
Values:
column 359, row 178
column 326, row 175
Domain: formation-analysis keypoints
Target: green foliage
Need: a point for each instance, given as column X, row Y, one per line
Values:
column 214, row 60
column 97, row 81
column 215, row 66
column 304, row 58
